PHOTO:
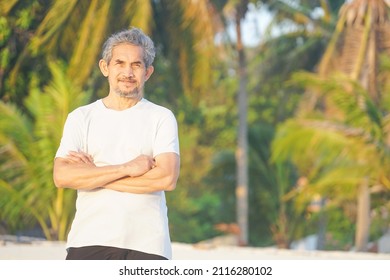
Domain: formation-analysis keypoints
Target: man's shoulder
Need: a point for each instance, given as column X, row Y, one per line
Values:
column 153, row 107
column 86, row 109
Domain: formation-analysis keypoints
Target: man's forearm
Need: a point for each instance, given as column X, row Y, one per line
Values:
column 140, row 175
column 84, row 176
column 161, row 178
column 151, row 181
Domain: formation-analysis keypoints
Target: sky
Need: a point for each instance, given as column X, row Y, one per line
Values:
column 254, row 25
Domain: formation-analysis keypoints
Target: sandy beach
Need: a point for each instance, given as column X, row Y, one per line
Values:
column 45, row 250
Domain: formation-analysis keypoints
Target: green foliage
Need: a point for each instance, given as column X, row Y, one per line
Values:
column 192, row 219
column 340, row 230
column 307, row 155
column 4, row 30
column 198, row 203
column 28, row 145
column 336, row 143
column 62, row 29
column 272, row 100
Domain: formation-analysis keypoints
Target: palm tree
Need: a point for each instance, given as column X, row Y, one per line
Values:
column 74, row 31
column 301, row 39
column 346, row 108
column 28, row 144
column 235, row 11
column 362, row 35
column 242, row 144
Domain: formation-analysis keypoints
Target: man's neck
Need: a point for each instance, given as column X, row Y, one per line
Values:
column 120, row 103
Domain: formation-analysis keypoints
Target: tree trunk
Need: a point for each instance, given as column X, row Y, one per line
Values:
column 363, row 218
column 242, row 148
column 322, row 224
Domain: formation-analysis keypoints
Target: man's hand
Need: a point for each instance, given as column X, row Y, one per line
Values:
column 139, row 166
column 133, row 168
column 78, row 171
column 162, row 177
column 79, row 157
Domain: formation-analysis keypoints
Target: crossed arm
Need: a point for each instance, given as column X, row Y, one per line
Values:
column 143, row 174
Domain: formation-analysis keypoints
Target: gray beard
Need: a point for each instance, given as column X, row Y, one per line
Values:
column 130, row 94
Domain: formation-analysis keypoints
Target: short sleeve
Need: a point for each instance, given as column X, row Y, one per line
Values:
column 72, row 136
column 167, row 139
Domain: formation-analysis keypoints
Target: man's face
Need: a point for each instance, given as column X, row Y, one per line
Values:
column 126, row 71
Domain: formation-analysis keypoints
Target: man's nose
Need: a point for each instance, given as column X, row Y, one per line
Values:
column 129, row 71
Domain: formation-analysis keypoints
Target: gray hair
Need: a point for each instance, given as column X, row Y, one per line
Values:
column 133, row 36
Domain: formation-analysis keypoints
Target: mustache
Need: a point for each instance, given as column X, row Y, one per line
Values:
column 125, row 79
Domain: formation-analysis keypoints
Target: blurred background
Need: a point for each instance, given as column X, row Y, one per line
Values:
column 282, row 106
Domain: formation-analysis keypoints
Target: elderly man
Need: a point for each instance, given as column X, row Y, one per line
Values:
column 120, row 153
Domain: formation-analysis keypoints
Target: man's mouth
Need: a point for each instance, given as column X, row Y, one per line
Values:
column 128, row 81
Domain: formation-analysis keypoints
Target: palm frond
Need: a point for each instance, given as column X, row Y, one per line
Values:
column 6, row 6
column 140, row 12
column 341, row 98
column 89, row 43
column 317, row 145
column 16, row 126
column 48, row 34
column 51, row 24
column 27, row 151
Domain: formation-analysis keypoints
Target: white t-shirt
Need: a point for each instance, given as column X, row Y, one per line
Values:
column 111, row 218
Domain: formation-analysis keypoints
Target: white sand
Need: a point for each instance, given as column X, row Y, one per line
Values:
column 44, row 250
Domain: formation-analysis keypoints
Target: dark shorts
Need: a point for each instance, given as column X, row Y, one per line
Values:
column 108, row 253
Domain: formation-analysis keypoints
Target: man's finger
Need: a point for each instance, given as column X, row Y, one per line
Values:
column 81, row 157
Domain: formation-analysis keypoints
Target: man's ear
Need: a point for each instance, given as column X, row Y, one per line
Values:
column 149, row 72
column 103, row 67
